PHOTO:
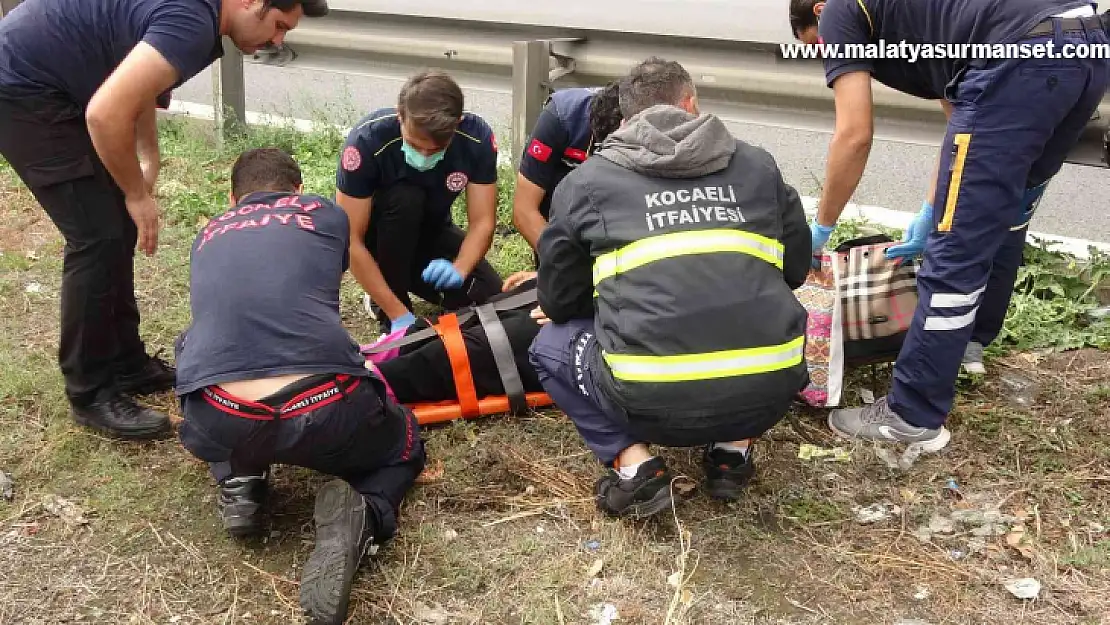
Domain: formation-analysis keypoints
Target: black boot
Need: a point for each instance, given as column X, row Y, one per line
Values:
column 119, row 416
column 345, row 527
column 240, row 504
column 727, row 472
column 155, row 376
column 642, row 496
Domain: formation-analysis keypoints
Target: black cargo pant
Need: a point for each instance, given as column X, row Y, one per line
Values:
column 47, row 143
column 336, row 424
column 403, row 237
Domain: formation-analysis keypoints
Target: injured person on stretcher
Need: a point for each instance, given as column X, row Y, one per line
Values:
column 466, row 363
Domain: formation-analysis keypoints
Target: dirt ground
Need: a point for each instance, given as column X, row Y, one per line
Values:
column 502, row 528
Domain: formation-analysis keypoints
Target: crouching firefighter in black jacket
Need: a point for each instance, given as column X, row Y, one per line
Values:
column 666, row 274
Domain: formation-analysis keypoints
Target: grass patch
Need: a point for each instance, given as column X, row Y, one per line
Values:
column 507, row 533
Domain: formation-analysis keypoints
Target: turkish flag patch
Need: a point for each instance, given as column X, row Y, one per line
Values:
column 539, row 150
column 493, row 141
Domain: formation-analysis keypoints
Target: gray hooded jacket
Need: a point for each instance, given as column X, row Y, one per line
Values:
column 684, row 245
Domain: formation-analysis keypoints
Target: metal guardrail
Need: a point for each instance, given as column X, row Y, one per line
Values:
column 742, row 81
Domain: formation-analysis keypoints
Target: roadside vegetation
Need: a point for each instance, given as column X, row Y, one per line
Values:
column 502, row 529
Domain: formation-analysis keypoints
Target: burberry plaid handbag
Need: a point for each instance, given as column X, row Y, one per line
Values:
column 878, row 297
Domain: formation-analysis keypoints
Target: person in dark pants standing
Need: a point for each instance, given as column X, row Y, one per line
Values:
column 268, row 374
column 1012, row 120
column 571, row 126
column 399, row 173
column 79, row 85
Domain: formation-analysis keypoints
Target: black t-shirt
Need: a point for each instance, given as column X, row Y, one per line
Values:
column 69, row 47
column 372, row 160
column 561, row 140
column 264, row 290
column 928, row 22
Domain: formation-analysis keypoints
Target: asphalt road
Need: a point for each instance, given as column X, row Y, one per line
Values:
column 1077, row 203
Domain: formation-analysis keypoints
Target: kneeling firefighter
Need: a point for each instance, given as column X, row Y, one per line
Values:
column 666, row 274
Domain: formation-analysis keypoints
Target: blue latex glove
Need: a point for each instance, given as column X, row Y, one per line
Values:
column 441, row 274
column 820, row 235
column 913, row 243
column 1029, row 203
column 401, row 322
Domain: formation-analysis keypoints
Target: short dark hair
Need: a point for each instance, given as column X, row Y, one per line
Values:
column 802, row 16
column 652, row 82
column 312, row 8
column 264, row 169
column 605, row 111
column 433, row 102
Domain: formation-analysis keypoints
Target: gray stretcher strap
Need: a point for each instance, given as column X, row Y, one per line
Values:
column 503, row 357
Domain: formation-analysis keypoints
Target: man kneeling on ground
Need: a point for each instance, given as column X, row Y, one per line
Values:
column 268, row 374
column 667, row 272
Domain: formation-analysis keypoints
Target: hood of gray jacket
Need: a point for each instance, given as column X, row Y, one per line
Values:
column 667, row 142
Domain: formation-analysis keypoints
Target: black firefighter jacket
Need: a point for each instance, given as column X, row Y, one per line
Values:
column 684, row 245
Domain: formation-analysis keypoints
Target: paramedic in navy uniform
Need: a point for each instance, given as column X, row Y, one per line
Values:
column 1011, row 124
column 399, row 173
column 571, row 126
column 79, row 84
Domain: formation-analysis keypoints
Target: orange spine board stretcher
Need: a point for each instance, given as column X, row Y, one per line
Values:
column 468, row 405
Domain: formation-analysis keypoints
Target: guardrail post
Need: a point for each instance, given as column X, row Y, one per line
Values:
column 531, row 64
column 229, row 93
column 6, row 6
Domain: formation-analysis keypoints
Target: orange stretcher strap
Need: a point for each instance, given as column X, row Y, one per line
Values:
column 468, row 406
column 447, row 327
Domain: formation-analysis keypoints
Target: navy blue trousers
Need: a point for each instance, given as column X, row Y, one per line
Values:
column 558, row 355
column 365, row 439
column 1007, row 261
column 1012, row 125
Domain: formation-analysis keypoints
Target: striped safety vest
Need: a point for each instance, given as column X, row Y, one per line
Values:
column 693, row 315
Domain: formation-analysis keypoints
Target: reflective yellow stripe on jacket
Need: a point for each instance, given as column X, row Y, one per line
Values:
column 674, row 244
column 712, row 365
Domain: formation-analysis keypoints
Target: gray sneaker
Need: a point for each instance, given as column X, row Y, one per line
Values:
column 973, row 359
column 878, row 422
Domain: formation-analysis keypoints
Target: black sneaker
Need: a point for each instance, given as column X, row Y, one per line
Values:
column 727, row 472
column 344, row 528
column 119, row 416
column 240, row 504
column 646, row 494
column 155, row 376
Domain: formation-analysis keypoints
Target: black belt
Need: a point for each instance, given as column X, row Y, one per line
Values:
column 287, row 403
column 1071, row 24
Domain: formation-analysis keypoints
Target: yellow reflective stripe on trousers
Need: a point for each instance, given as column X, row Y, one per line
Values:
column 663, row 246
column 713, row 365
